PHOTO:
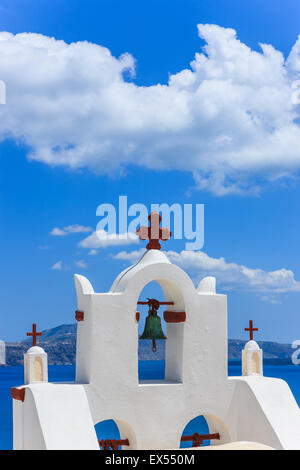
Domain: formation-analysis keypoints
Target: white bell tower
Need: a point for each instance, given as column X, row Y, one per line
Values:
column 35, row 365
column 252, row 356
column 252, row 359
column 35, row 361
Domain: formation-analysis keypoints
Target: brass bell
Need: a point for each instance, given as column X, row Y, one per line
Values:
column 153, row 329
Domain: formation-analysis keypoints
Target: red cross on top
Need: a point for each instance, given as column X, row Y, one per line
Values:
column 34, row 334
column 154, row 233
column 251, row 329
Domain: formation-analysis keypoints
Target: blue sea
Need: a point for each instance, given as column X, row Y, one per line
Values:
column 13, row 376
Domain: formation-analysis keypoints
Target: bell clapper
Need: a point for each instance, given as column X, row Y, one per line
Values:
column 153, row 345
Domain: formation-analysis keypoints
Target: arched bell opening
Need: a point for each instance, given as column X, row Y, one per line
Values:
column 161, row 314
column 115, row 434
column 151, row 333
column 204, row 430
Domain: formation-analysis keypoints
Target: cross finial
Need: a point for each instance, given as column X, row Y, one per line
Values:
column 34, row 334
column 154, row 233
column 251, row 329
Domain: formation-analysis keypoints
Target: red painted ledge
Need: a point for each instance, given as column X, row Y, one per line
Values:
column 113, row 444
column 174, row 317
column 79, row 316
column 18, row 394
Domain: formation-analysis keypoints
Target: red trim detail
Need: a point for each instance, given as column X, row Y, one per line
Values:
column 34, row 334
column 137, row 316
column 174, row 317
column 107, row 444
column 251, row 329
column 18, row 394
column 154, row 233
column 148, row 302
column 79, row 316
column 198, row 439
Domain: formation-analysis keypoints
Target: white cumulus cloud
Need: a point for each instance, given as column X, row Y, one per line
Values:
column 77, row 229
column 92, row 252
column 58, row 232
column 101, row 239
column 57, row 266
column 230, row 276
column 230, row 117
column 130, row 256
column 81, row 264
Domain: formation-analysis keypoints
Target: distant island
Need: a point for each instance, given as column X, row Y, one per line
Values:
column 60, row 344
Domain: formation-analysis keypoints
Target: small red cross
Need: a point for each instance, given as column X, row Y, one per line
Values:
column 251, row 329
column 34, row 334
column 154, row 233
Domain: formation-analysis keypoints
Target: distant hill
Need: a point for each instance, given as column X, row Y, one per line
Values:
column 271, row 349
column 59, row 333
column 60, row 344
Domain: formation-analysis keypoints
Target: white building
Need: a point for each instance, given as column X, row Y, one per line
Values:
column 2, row 353
column 153, row 414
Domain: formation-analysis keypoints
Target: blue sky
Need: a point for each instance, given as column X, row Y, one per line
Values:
column 251, row 218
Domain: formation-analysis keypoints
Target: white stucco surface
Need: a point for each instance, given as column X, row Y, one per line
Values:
column 237, row 446
column 2, row 353
column 153, row 414
column 252, row 359
column 269, row 408
column 57, row 417
column 35, row 365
